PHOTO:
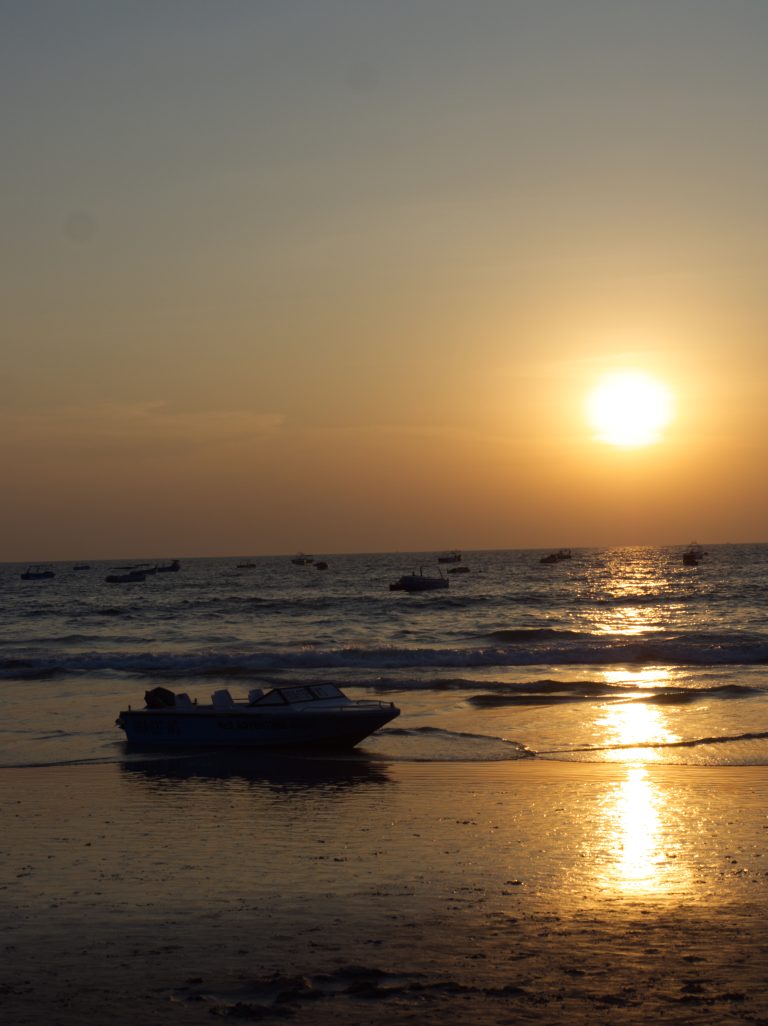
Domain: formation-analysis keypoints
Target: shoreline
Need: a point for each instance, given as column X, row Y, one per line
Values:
column 372, row 892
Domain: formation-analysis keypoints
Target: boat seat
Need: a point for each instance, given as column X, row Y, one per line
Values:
column 222, row 699
column 183, row 701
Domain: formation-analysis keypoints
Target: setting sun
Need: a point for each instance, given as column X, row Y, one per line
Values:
column 629, row 409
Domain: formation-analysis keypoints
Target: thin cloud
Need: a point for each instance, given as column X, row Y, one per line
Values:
column 151, row 425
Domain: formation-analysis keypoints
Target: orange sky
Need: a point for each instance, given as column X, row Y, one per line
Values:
column 339, row 277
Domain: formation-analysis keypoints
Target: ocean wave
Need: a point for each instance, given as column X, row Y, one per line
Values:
column 693, row 650
column 436, row 744
column 554, row 693
column 693, row 742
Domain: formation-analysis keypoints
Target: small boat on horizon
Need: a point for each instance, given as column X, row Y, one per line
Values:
column 556, row 557
column 168, row 568
column 419, row 582
column 294, row 716
column 693, row 555
column 37, row 573
column 129, row 577
column 450, row 557
column 302, row 559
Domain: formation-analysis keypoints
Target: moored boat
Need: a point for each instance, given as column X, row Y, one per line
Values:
column 556, row 557
column 37, row 573
column 129, row 577
column 419, row 582
column 285, row 716
column 302, row 559
column 450, row 557
column 693, row 555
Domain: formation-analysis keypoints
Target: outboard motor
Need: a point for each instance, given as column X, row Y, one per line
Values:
column 159, row 698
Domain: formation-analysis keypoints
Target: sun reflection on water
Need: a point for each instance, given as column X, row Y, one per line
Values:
column 627, row 729
column 635, row 819
column 638, row 838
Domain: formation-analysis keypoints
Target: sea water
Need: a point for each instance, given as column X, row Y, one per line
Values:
column 621, row 655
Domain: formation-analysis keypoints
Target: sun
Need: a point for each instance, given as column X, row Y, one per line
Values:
column 629, row 409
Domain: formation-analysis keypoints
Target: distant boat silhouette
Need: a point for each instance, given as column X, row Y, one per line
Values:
column 419, row 582
column 168, row 568
column 556, row 557
column 37, row 573
column 693, row 555
column 130, row 577
column 450, row 557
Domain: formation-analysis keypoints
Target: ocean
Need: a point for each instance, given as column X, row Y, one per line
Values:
column 614, row 655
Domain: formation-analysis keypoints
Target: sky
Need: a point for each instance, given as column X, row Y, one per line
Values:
column 339, row 275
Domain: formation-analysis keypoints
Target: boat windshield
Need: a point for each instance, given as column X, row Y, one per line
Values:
column 289, row 695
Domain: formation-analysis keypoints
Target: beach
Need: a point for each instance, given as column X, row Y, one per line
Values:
column 363, row 891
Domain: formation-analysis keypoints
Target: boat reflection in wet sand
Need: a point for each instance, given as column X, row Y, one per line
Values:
column 286, row 716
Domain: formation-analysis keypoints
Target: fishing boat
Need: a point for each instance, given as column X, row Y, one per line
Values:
column 37, row 573
column 419, row 582
column 285, row 716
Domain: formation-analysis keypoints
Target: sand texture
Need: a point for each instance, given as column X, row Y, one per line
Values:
column 354, row 893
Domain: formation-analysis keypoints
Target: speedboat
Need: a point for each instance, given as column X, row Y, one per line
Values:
column 419, row 582
column 37, row 573
column 285, row 716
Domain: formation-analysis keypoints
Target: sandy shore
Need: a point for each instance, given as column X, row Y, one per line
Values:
column 383, row 893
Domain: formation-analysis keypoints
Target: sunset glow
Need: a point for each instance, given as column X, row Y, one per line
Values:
column 629, row 409
column 310, row 278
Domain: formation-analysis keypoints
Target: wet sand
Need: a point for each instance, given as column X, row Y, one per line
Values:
column 355, row 892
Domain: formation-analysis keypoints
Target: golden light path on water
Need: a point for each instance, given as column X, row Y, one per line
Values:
column 630, row 729
column 639, row 828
